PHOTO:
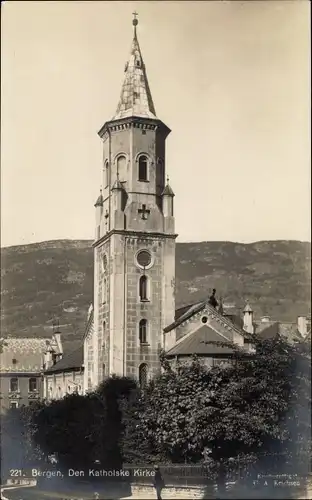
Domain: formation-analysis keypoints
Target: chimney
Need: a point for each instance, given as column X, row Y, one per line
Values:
column 47, row 359
column 302, row 325
column 248, row 318
column 265, row 319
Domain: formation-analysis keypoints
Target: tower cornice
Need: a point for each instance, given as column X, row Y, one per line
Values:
column 140, row 234
column 134, row 122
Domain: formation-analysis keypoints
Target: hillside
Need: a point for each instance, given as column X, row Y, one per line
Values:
column 55, row 278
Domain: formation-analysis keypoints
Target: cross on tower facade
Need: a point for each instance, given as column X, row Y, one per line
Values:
column 144, row 212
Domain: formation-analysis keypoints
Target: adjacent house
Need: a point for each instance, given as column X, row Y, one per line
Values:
column 22, row 363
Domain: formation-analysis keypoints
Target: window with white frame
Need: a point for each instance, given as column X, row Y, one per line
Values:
column 143, row 285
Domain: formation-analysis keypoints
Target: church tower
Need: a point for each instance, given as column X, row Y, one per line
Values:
column 134, row 248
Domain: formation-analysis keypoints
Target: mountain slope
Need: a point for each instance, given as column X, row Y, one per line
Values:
column 53, row 279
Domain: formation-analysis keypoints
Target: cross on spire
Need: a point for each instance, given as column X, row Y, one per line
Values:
column 144, row 212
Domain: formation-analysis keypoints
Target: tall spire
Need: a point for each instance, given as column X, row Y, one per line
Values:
column 135, row 98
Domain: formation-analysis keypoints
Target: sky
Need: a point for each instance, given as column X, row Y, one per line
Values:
column 231, row 80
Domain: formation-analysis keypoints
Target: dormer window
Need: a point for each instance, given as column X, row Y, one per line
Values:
column 143, row 168
column 138, row 63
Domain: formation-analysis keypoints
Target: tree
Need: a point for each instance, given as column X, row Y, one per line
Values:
column 256, row 410
column 18, row 449
column 85, row 429
column 116, row 393
column 70, row 427
column 135, row 448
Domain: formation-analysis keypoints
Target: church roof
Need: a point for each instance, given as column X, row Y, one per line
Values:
column 195, row 344
column 235, row 319
column 24, row 354
column 90, row 322
column 71, row 361
column 184, row 313
column 135, row 98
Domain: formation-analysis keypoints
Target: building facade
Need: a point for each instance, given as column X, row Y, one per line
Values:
column 65, row 377
column 22, row 364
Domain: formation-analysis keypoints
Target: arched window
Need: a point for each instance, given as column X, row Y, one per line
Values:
column 143, row 288
column 104, row 291
column 143, row 168
column 32, row 384
column 106, row 174
column 143, row 375
column 14, row 384
column 121, row 167
column 143, row 331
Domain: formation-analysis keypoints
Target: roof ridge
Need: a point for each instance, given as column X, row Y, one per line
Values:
column 33, row 338
column 227, row 321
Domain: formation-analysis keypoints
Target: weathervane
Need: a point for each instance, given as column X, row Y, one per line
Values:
column 135, row 22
